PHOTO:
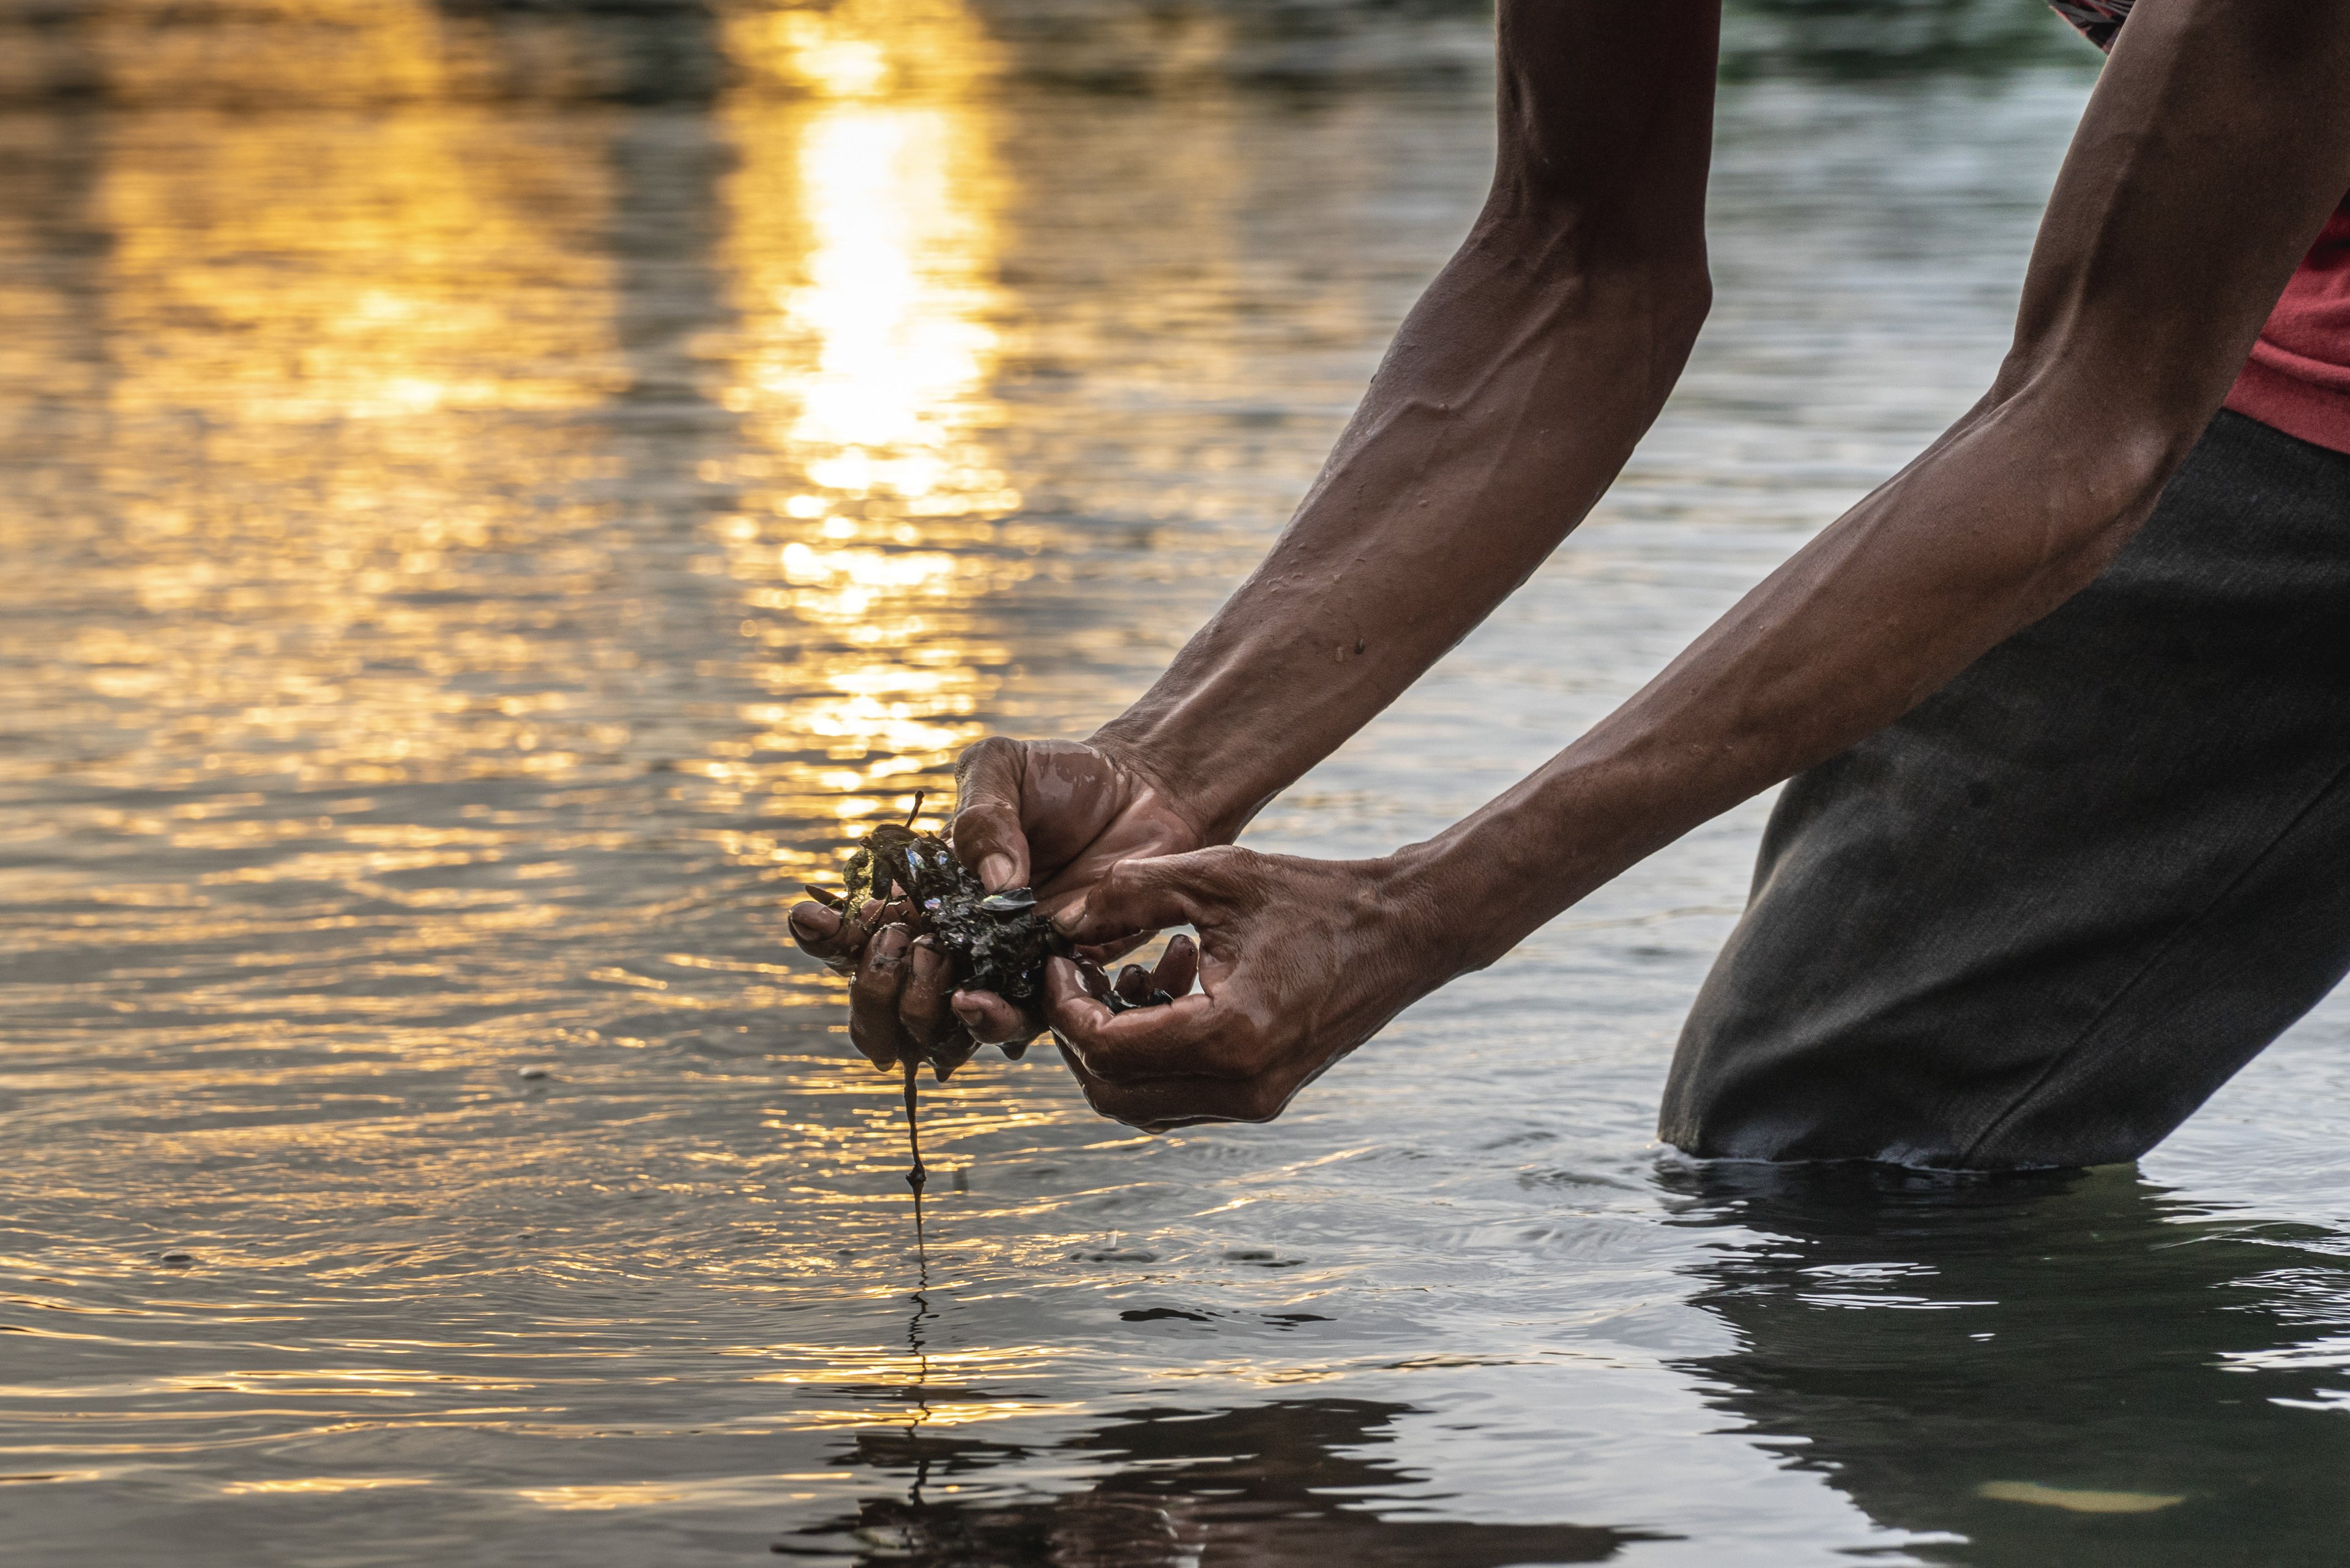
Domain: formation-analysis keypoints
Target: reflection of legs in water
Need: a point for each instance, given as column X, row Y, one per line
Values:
column 2070, row 1367
column 1274, row 1486
column 2041, row 919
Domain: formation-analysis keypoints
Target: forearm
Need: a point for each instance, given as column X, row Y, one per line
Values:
column 1512, row 395
column 1511, row 399
column 1998, row 524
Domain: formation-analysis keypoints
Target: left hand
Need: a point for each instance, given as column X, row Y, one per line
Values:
column 1300, row 962
column 899, row 983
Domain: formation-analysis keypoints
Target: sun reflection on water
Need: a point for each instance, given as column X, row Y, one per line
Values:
column 862, row 239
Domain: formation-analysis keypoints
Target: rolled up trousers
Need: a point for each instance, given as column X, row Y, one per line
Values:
column 2043, row 918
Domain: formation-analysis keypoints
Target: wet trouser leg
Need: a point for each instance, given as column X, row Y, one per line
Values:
column 2040, row 919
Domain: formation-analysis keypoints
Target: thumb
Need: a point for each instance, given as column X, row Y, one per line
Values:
column 988, row 838
column 1140, row 895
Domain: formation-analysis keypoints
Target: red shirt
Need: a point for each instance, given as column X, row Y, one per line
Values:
column 2298, row 379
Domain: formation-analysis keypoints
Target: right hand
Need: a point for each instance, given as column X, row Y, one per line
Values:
column 1054, row 815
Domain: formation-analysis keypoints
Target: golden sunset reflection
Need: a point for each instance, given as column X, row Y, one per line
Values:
column 493, row 538
column 334, row 315
column 862, row 237
column 318, row 50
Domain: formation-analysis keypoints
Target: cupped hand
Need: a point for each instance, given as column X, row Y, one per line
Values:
column 1054, row 816
column 1300, row 960
column 1051, row 815
column 899, row 983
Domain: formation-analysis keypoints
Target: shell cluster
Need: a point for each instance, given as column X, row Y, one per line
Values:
column 997, row 942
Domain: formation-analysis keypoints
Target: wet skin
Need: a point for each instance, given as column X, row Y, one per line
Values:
column 1051, row 815
column 2209, row 157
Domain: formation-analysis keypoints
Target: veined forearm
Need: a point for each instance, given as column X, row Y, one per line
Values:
column 1514, row 393
column 1511, row 398
column 2002, row 521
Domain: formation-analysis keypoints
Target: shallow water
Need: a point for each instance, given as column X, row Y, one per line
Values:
column 472, row 552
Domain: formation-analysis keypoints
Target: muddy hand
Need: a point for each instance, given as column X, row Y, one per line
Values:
column 898, row 1004
column 1300, row 962
column 1054, row 815
column 838, row 934
column 1136, row 986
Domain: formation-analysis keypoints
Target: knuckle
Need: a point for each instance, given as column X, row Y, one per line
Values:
column 984, row 815
column 1227, row 868
column 992, row 755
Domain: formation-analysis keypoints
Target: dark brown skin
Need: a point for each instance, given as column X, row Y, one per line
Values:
column 2211, row 152
column 1052, row 815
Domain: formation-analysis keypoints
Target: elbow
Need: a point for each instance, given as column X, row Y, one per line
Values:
column 1656, row 270
column 1686, row 296
column 1670, row 305
column 2123, row 428
column 1639, row 304
column 2101, row 461
column 2100, row 495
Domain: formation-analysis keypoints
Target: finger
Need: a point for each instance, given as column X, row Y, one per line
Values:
column 827, row 934
column 814, row 922
column 1137, row 894
column 992, row 1021
column 873, row 1026
column 1133, row 985
column 851, row 932
column 986, row 830
column 950, row 1051
column 1179, row 966
column 1071, row 1006
column 922, row 1011
column 1185, row 1038
column 1104, row 952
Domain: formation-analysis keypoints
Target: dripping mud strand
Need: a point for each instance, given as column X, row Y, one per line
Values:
column 917, row 1177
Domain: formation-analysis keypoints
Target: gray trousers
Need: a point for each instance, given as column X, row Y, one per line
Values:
column 2041, row 918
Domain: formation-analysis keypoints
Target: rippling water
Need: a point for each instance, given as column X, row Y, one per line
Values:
column 470, row 554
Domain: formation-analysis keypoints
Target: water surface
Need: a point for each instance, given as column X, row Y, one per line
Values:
column 474, row 546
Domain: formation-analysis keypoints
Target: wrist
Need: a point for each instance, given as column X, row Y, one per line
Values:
column 1491, row 880
column 1190, row 775
column 1431, row 890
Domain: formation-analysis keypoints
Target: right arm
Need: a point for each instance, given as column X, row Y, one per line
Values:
column 1512, row 395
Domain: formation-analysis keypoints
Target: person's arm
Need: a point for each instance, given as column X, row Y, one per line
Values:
column 2211, row 153
column 1514, row 392
column 1512, row 397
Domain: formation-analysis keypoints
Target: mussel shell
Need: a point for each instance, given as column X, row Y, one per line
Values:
column 1011, row 901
